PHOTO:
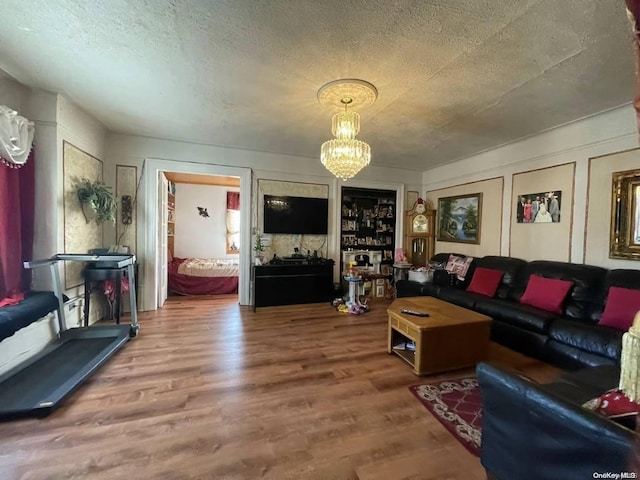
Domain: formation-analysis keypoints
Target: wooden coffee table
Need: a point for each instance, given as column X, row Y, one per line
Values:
column 451, row 337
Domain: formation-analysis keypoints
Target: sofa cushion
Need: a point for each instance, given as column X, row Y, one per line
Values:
column 570, row 358
column 528, row 342
column 485, row 281
column 587, row 283
column 546, row 293
column 510, row 267
column 523, row 316
column 591, row 338
column 621, row 307
column 407, row 288
column 34, row 306
column 459, row 297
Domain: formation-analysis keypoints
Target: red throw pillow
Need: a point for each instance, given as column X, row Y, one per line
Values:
column 485, row 281
column 546, row 293
column 622, row 306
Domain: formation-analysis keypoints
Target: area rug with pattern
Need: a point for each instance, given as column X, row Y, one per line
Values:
column 457, row 405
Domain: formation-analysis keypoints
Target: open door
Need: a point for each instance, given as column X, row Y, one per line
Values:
column 161, row 251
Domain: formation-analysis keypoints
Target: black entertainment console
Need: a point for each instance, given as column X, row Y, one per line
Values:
column 289, row 284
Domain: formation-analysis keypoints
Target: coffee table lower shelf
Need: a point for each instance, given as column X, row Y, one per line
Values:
column 397, row 340
column 408, row 356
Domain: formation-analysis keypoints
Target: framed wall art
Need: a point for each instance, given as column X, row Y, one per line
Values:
column 542, row 207
column 625, row 216
column 459, row 218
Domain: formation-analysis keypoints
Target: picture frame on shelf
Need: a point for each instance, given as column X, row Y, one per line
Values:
column 459, row 218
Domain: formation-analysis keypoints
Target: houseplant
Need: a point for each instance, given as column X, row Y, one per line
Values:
column 259, row 249
column 98, row 197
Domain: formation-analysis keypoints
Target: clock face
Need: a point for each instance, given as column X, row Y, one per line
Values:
column 419, row 224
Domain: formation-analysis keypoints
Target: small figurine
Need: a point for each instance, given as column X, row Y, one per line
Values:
column 400, row 256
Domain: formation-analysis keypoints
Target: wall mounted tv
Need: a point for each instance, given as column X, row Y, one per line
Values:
column 295, row 215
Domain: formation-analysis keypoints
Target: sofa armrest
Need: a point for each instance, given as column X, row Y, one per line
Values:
column 531, row 433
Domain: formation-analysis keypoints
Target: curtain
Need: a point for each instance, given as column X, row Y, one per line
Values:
column 17, row 212
column 233, row 222
column 633, row 8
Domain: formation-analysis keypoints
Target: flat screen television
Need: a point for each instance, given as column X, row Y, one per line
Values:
column 295, row 215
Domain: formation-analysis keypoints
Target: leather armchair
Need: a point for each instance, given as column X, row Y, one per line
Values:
column 534, row 431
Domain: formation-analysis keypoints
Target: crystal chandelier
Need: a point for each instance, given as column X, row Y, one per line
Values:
column 344, row 156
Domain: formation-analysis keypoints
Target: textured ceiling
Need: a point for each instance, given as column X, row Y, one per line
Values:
column 454, row 77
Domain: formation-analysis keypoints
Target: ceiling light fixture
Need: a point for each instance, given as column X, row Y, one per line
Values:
column 344, row 156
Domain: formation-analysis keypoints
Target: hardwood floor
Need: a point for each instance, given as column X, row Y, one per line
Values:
column 212, row 390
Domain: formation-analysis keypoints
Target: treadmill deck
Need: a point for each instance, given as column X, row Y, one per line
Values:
column 38, row 386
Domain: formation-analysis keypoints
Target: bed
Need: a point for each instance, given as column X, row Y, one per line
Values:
column 203, row 276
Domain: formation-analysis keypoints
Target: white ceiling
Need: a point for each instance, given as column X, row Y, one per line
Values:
column 454, row 77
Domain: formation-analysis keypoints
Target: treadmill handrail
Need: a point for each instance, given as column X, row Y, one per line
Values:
column 39, row 263
column 121, row 260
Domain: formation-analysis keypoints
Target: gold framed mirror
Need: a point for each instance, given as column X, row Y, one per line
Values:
column 625, row 216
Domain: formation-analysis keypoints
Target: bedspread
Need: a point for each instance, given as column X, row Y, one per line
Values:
column 209, row 267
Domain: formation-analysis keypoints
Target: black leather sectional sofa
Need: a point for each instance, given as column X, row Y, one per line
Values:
column 571, row 340
column 534, row 431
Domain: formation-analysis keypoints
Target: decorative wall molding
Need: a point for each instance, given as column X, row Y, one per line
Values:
column 552, row 238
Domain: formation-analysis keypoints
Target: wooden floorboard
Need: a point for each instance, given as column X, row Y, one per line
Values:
column 212, row 390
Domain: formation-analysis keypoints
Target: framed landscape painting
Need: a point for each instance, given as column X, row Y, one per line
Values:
column 459, row 218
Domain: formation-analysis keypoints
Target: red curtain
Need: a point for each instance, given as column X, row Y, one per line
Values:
column 634, row 7
column 17, row 211
column 233, row 200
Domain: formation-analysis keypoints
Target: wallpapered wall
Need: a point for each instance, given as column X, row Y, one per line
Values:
column 79, row 236
column 283, row 245
column 126, row 179
column 549, row 241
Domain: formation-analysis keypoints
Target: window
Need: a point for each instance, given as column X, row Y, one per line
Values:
column 233, row 222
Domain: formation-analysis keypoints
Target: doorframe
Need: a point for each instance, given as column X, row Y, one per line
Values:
column 151, row 267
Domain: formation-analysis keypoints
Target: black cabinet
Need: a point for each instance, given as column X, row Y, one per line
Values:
column 292, row 284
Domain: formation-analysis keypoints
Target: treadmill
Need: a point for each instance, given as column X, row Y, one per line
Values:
column 39, row 385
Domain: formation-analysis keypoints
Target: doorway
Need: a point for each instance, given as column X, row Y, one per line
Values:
column 155, row 228
column 200, row 236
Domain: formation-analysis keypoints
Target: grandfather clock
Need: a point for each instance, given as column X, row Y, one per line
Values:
column 420, row 235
